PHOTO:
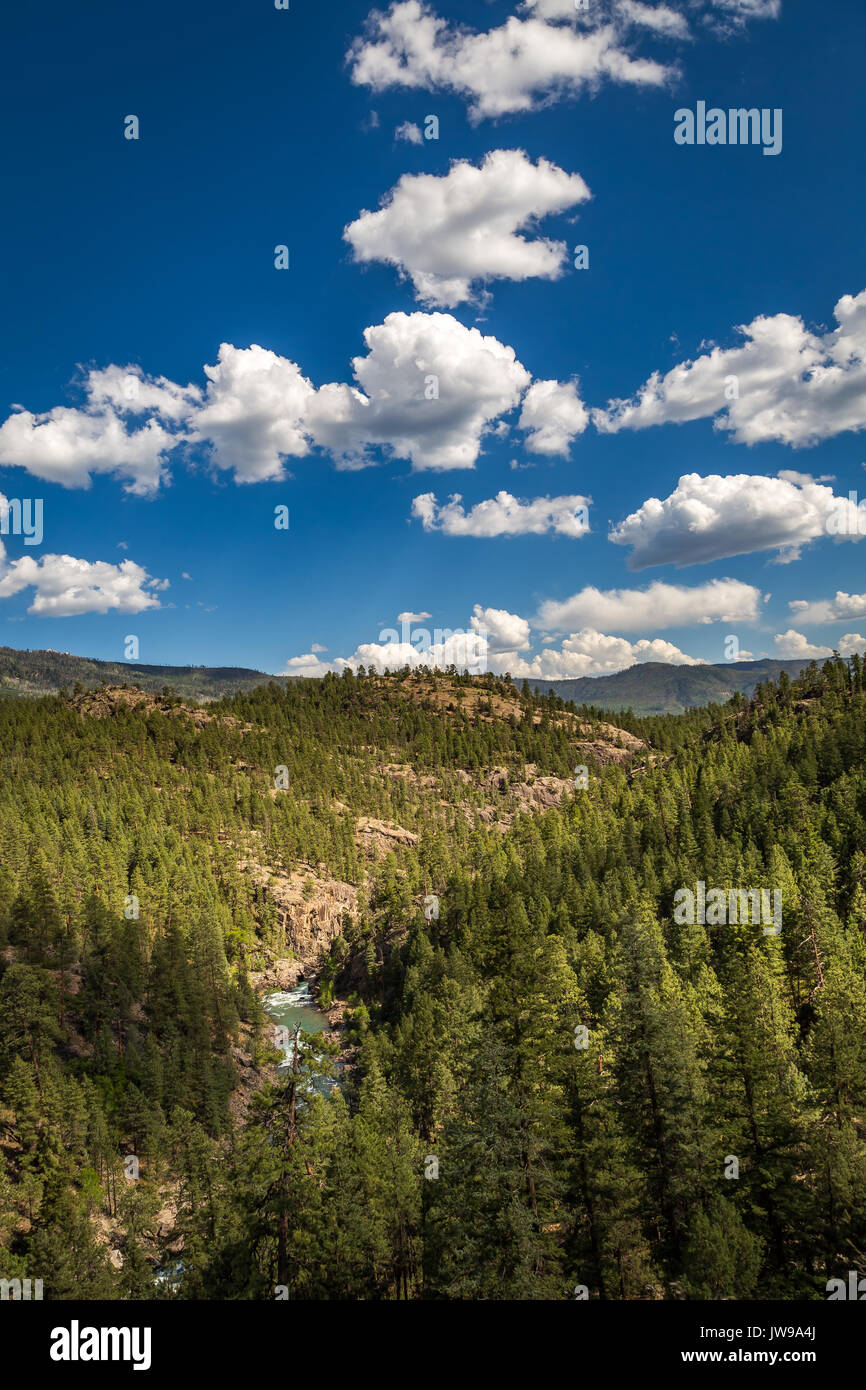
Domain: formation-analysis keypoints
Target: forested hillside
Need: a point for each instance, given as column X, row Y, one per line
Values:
column 46, row 673
column 651, row 687
column 548, row 1088
column 660, row 687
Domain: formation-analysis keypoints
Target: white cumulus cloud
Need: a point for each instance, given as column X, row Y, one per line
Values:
column 307, row 665
column 131, row 391
column 660, row 18
column 504, row 515
column 67, row 446
column 448, row 232
column 554, row 415
column 505, row 632
column 515, row 67
column 427, row 391
column 784, row 383
column 253, row 413
column 496, row 641
column 714, row 517
column 742, row 10
column 465, row 650
column 832, row 610
column 793, row 644
column 592, row 653
column 65, row 587
column 658, row 606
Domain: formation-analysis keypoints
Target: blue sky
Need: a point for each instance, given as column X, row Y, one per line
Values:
column 260, row 128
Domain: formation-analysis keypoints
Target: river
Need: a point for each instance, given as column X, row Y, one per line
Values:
column 292, row 1007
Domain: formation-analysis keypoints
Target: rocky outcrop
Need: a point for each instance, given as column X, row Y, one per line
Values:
column 541, row 793
column 378, row 837
column 310, row 910
column 107, row 700
column 608, row 744
column 282, row 974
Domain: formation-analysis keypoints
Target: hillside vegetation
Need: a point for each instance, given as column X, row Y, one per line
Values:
column 650, row 688
column 541, row 1088
column 46, row 673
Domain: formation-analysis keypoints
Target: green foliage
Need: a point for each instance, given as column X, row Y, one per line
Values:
column 541, row 1089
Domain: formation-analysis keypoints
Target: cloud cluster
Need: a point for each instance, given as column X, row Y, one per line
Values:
column 549, row 51
column 793, row 644
column 494, row 643
column 427, row 390
column 499, row 641
column 715, row 517
column 783, row 383
column 447, row 233
column 514, row 67
column 658, row 606
column 504, row 515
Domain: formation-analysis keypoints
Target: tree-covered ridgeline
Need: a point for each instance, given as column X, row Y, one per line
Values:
column 549, row 1088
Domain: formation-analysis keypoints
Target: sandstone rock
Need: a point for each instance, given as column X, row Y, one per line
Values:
column 310, row 916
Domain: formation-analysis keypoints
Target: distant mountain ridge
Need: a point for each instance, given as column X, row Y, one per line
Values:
column 651, row 688
column 46, row 672
column 657, row 688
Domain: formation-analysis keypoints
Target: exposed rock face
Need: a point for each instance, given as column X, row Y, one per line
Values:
column 282, row 974
column 310, row 910
column 378, row 837
column 541, row 793
column 497, row 778
column 106, row 700
column 609, row 745
column 519, row 797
